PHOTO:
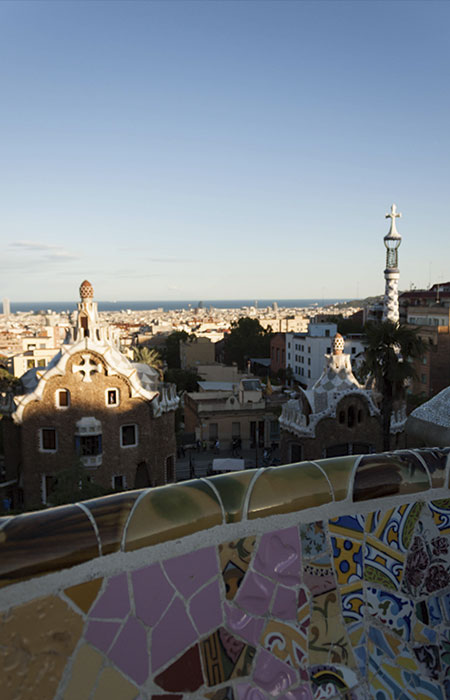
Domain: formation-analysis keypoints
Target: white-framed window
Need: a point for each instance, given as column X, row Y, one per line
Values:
column 48, row 440
column 112, row 397
column 129, row 435
column 47, row 484
column 63, row 398
column 119, row 482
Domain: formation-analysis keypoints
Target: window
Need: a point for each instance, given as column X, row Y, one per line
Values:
column 341, row 416
column 296, row 453
column 88, row 445
column 213, row 431
column 309, row 360
column 30, row 364
column 118, row 482
column 351, row 416
column 63, row 398
column 353, row 350
column 309, row 374
column 328, row 351
column 274, row 430
column 48, row 440
column 327, row 333
column 128, row 436
column 48, row 482
column 309, row 349
column 423, row 378
column 112, row 397
column 236, row 430
column 424, row 360
column 41, row 363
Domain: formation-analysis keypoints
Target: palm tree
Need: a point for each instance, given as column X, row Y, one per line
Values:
column 390, row 351
column 149, row 356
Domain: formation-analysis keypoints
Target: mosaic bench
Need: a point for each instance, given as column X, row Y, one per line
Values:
column 327, row 579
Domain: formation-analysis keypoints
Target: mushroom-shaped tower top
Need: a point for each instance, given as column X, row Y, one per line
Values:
column 338, row 344
column 86, row 290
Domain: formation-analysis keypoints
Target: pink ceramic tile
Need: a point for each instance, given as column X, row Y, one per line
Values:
column 171, row 635
column 302, row 693
column 206, row 609
column 244, row 625
column 190, row 571
column 255, row 594
column 101, row 634
column 130, row 652
column 285, row 603
column 272, row 675
column 114, row 603
column 152, row 593
column 278, row 556
column 246, row 692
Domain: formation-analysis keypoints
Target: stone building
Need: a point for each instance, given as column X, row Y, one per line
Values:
column 337, row 416
column 91, row 404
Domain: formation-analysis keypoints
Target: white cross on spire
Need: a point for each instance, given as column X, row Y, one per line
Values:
column 393, row 214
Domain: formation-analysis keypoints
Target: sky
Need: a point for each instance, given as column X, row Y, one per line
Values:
column 221, row 150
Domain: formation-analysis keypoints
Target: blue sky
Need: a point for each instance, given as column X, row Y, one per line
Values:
column 203, row 150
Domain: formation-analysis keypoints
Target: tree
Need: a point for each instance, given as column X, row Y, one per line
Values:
column 246, row 339
column 390, row 351
column 72, row 484
column 185, row 379
column 148, row 356
column 172, row 349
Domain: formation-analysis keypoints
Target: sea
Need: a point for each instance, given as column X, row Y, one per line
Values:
column 61, row 306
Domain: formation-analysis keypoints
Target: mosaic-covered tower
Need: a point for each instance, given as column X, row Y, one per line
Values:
column 391, row 274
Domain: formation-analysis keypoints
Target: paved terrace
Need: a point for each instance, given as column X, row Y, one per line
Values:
column 327, row 579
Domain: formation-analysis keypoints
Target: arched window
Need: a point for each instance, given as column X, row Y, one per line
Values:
column 351, row 416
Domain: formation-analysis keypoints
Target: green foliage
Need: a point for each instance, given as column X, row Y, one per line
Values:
column 172, row 349
column 148, row 356
column 185, row 379
column 388, row 358
column 72, row 485
column 246, row 339
column 8, row 381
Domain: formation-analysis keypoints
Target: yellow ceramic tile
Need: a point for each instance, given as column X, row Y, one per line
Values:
column 113, row 685
column 327, row 630
column 418, row 633
column 388, row 475
column 235, row 558
column 44, row 541
column 84, row 594
column 111, row 514
column 339, row 470
column 285, row 642
column 83, row 673
column 287, row 489
column 233, row 491
column 173, row 511
column 36, row 641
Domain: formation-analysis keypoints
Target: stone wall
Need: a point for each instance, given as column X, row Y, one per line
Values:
column 315, row 580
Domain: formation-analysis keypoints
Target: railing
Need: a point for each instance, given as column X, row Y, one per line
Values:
column 318, row 579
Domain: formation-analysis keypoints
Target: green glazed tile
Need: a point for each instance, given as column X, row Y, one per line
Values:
column 287, row 489
column 111, row 514
column 389, row 475
column 168, row 512
column 233, row 491
column 339, row 470
column 44, row 541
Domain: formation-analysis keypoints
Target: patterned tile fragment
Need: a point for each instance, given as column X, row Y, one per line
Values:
column 225, row 657
column 278, row 556
column 235, row 558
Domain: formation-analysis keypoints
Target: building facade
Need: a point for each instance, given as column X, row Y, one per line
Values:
column 337, row 416
column 91, row 405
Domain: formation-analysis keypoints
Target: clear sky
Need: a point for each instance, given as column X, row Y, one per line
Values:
column 175, row 150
